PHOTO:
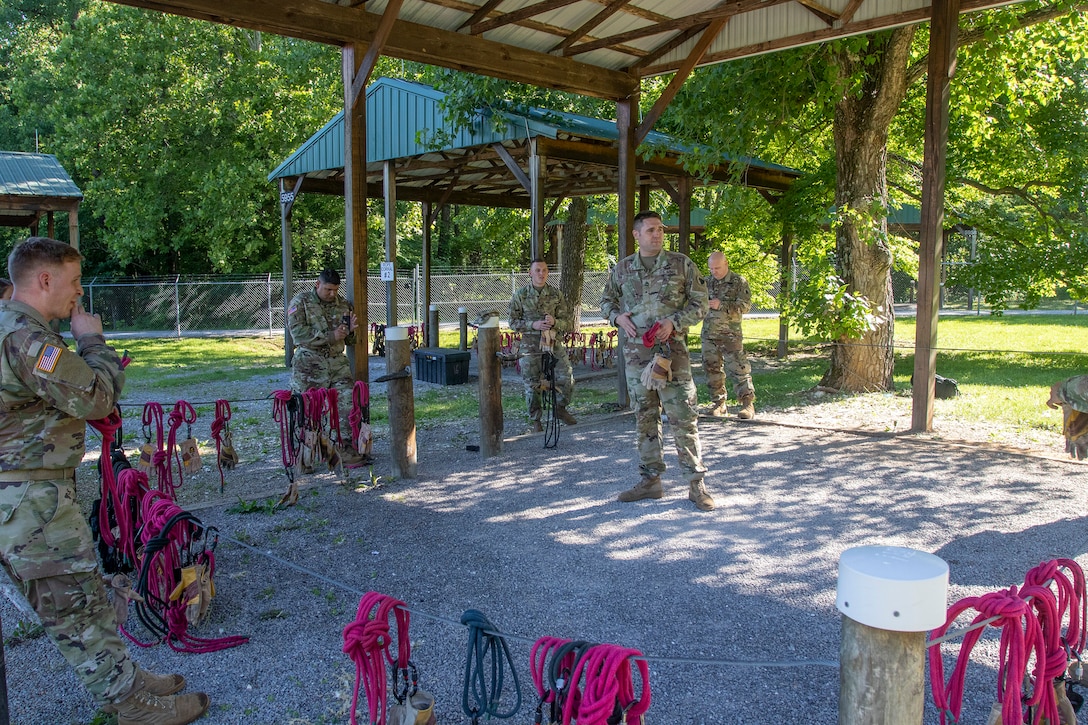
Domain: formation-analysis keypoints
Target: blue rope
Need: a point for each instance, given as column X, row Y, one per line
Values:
column 486, row 692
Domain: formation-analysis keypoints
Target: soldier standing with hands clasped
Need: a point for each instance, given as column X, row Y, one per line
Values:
column 47, row 394
column 655, row 296
column 539, row 312
column 723, row 339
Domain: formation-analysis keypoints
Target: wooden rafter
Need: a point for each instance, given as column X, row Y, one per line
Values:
column 519, row 15
column 824, row 13
column 480, row 14
column 582, row 31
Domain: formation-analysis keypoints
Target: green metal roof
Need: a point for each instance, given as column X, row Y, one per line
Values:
column 401, row 116
column 35, row 175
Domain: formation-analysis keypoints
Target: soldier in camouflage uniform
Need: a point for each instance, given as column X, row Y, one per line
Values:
column 723, row 340
column 536, row 308
column 47, row 393
column 1071, row 395
column 322, row 326
column 657, row 286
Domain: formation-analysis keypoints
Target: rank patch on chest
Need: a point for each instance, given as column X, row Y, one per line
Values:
column 47, row 361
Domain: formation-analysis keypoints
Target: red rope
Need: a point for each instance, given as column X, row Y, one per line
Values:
column 606, row 670
column 539, row 656
column 367, row 642
column 219, row 425
column 160, row 462
column 108, row 428
column 1030, row 620
column 182, row 413
column 360, row 409
column 282, row 415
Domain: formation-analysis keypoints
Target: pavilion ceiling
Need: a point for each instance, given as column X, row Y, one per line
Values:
column 598, row 48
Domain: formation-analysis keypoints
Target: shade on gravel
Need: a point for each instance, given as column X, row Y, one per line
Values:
column 734, row 608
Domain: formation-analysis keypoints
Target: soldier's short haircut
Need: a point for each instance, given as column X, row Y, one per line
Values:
column 329, row 276
column 643, row 216
column 30, row 255
column 538, row 260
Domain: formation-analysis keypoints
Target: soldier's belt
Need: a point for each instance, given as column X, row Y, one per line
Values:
column 37, row 474
column 322, row 351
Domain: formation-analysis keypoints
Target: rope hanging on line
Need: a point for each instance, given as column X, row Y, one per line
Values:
column 484, row 645
column 154, row 458
column 549, row 400
column 367, row 642
column 182, row 413
column 285, row 411
column 225, row 455
column 362, row 436
column 1030, row 619
column 608, row 694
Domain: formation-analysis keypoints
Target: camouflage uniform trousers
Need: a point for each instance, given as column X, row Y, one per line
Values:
column 678, row 399
column 532, row 372
column 724, row 357
column 311, row 370
column 47, row 550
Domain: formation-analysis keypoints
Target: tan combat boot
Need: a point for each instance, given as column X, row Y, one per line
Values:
column 748, row 409
column 158, row 685
column 645, row 488
column 564, row 415
column 700, row 497
column 717, row 409
column 143, row 708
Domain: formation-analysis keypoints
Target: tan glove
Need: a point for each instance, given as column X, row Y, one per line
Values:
column 123, row 593
column 547, row 340
column 190, row 456
column 657, row 373
column 228, row 457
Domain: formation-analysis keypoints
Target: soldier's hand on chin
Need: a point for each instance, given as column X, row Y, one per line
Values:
column 84, row 323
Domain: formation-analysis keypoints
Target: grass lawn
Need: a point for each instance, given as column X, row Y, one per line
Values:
column 1004, row 365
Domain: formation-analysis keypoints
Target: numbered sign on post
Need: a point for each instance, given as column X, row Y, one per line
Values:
column 387, row 271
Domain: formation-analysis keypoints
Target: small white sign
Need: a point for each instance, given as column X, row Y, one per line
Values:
column 387, row 272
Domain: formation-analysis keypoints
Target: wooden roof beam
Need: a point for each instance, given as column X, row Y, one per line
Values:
column 608, row 11
column 518, row 15
column 721, row 12
column 480, row 14
column 323, row 22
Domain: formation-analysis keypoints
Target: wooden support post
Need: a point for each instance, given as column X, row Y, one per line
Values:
column 462, row 323
column 785, row 292
column 425, row 212
column 73, row 236
column 625, row 246
column 890, row 597
column 402, row 407
column 942, row 65
column 684, row 225
column 490, row 388
column 537, row 167
column 432, row 326
column 355, row 239
column 389, row 179
column 287, row 200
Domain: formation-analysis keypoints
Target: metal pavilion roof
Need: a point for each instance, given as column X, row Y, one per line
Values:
column 471, row 168
column 594, row 47
column 31, row 184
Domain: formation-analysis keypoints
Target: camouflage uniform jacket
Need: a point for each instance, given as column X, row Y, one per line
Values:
column 530, row 304
column 312, row 322
column 672, row 289
column 736, row 299
column 47, row 392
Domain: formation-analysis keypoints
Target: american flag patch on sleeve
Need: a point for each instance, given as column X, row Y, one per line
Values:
column 47, row 361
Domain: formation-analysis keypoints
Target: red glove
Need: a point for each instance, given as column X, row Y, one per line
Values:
column 648, row 338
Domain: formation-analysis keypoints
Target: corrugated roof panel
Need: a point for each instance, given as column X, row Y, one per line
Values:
column 25, row 174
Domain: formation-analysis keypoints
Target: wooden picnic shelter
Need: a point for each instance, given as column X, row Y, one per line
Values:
column 519, row 161
column 603, row 48
column 35, row 185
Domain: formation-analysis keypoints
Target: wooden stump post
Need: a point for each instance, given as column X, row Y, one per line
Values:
column 889, row 597
column 490, row 389
column 402, row 407
column 462, row 323
column 432, row 327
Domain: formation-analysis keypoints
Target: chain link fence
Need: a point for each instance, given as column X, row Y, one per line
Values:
column 237, row 303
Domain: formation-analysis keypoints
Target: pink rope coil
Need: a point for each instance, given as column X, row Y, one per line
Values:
column 367, row 641
column 608, row 686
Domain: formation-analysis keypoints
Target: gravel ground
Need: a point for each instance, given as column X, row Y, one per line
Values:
column 735, row 609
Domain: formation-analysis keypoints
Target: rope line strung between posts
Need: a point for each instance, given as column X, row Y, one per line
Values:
column 447, row 620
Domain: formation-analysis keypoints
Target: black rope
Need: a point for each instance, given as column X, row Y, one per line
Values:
column 548, row 400
column 486, row 692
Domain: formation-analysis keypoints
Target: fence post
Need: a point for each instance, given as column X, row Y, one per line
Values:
column 90, row 295
column 177, row 302
column 889, row 597
column 462, row 323
column 269, row 283
column 402, row 412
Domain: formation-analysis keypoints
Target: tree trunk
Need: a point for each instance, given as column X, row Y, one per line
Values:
column 862, row 253
column 573, row 262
